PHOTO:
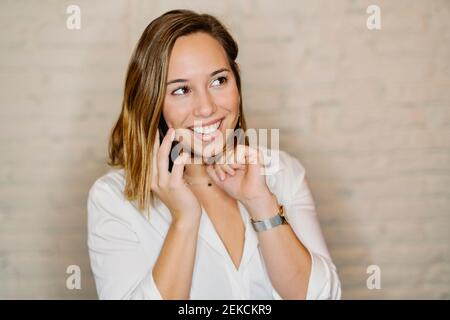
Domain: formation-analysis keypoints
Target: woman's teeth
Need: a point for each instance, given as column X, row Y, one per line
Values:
column 208, row 130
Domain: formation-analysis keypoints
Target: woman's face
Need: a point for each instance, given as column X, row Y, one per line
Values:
column 202, row 99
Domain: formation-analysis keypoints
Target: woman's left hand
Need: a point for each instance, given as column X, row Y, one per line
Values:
column 241, row 175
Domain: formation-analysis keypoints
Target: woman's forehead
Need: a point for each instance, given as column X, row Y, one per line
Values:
column 196, row 54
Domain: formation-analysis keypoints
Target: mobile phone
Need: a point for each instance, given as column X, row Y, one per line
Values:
column 163, row 128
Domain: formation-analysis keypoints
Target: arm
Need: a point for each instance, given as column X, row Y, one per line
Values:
column 178, row 249
column 118, row 261
column 287, row 260
column 296, row 255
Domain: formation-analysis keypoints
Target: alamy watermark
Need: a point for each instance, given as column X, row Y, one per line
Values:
column 74, row 280
column 374, row 280
column 226, row 152
column 374, row 20
column 73, row 21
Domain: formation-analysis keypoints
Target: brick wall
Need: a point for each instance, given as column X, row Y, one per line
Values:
column 366, row 112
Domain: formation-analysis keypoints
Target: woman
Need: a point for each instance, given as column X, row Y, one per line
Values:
column 182, row 225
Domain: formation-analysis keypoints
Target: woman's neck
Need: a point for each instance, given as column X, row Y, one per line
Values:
column 196, row 171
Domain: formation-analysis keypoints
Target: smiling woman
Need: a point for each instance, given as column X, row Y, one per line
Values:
column 206, row 102
column 162, row 226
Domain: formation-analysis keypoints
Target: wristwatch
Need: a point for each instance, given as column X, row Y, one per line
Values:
column 266, row 224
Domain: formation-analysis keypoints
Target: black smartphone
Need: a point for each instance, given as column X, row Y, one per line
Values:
column 163, row 128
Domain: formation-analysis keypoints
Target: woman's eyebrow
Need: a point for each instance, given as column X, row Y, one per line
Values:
column 185, row 80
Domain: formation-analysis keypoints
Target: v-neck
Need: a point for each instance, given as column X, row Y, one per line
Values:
column 209, row 233
column 161, row 220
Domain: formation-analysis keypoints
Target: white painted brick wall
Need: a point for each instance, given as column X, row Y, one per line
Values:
column 366, row 112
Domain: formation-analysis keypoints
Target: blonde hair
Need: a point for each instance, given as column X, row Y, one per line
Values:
column 131, row 140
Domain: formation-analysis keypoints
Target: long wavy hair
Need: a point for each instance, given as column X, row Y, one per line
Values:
column 131, row 140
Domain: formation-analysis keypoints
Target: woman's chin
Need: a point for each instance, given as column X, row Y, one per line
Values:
column 207, row 150
column 208, row 153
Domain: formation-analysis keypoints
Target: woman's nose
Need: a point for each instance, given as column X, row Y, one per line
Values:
column 205, row 105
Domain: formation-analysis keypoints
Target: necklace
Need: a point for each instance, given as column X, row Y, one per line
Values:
column 209, row 183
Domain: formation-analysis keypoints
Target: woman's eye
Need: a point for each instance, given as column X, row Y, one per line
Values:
column 180, row 91
column 221, row 80
column 185, row 89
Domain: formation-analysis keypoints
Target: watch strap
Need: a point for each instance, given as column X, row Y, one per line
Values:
column 272, row 222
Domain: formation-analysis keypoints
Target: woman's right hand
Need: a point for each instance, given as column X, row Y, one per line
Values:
column 170, row 186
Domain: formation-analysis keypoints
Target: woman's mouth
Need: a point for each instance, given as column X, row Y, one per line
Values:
column 209, row 132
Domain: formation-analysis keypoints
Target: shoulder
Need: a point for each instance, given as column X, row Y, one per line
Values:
column 282, row 164
column 106, row 196
column 114, row 178
column 111, row 184
column 284, row 172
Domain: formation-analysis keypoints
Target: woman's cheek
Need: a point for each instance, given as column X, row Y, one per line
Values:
column 175, row 113
column 228, row 99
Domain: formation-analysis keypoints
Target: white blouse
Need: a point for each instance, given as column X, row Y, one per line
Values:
column 124, row 244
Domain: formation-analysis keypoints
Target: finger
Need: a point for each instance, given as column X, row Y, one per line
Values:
column 228, row 169
column 154, row 168
column 164, row 153
column 220, row 172
column 230, row 157
column 237, row 166
column 247, row 155
column 176, row 176
column 254, row 159
column 240, row 152
column 221, row 159
column 251, row 155
column 212, row 173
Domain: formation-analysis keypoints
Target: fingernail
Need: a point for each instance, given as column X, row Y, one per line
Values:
column 222, row 177
column 172, row 134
